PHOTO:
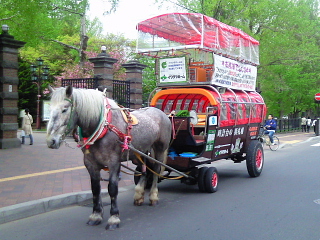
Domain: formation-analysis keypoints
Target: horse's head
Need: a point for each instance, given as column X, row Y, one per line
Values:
column 62, row 116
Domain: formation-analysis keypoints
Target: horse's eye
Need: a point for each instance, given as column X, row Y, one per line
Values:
column 64, row 110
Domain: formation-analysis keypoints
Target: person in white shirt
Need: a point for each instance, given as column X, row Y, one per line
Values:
column 26, row 126
column 309, row 122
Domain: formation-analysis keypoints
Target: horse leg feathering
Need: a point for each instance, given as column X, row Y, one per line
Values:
column 139, row 191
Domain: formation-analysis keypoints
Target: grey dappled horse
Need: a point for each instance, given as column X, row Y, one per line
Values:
column 72, row 107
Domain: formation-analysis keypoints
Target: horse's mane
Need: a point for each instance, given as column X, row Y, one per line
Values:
column 88, row 103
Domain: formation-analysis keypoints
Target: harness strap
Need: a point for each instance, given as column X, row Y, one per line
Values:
column 102, row 127
column 105, row 125
column 125, row 138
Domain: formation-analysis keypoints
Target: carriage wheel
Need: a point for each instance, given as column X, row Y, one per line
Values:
column 201, row 177
column 211, row 180
column 255, row 158
column 149, row 178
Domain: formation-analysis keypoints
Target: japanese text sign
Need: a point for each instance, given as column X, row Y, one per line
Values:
column 232, row 74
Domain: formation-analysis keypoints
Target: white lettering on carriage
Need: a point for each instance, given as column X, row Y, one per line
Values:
column 221, row 152
column 238, row 131
column 224, row 132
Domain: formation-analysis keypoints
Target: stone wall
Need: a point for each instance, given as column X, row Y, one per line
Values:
column 9, row 91
column 103, row 69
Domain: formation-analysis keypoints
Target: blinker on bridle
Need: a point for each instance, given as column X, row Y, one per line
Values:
column 68, row 129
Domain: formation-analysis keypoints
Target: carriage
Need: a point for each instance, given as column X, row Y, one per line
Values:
column 205, row 108
column 206, row 74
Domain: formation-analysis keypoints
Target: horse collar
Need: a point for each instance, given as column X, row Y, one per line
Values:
column 103, row 127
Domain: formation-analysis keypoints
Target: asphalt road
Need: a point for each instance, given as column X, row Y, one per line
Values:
column 283, row 203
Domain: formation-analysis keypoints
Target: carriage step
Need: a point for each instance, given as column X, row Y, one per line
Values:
column 201, row 159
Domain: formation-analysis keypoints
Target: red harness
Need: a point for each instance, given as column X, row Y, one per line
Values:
column 103, row 129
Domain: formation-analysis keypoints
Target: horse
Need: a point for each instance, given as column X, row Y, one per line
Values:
column 106, row 137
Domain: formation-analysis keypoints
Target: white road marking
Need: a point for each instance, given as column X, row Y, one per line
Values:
column 317, row 201
column 316, row 145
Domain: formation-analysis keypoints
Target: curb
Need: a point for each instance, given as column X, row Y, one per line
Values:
column 28, row 209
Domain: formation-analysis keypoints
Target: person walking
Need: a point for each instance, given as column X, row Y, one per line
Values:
column 314, row 122
column 270, row 128
column 309, row 122
column 27, row 120
column 303, row 124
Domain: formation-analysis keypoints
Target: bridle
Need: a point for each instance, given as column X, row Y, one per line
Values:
column 69, row 128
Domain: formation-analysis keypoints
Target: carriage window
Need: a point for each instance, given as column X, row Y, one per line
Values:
column 223, row 113
column 159, row 104
column 232, row 107
column 259, row 111
column 253, row 111
column 200, row 106
column 168, row 106
column 178, row 106
column 247, row 106
column 195, row 105
column 186, row 105
column 240, row 110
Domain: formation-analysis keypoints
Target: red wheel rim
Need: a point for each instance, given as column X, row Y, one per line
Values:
column 259, row 158
column 214, row 180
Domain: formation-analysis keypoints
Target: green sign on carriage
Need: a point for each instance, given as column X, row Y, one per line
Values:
column 173, row 70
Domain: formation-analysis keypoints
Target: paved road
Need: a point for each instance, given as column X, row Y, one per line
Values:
column 283, row 203
column 35, row 172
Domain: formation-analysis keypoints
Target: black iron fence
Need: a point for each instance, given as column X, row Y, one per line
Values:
column 88, row 83
column 121, row 92
column 289, row 125
column 294, row 125
column 121, row 89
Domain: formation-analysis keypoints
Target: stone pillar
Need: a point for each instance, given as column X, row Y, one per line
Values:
column 9, row 90
column 103, row 70
column 134, row 76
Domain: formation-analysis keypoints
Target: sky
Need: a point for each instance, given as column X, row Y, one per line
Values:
column 127, row 15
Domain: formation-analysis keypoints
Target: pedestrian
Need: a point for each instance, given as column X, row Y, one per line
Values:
column 314, row 124
column 309, row 122
column 270, row 128
column 303, row 124
column 27, row 120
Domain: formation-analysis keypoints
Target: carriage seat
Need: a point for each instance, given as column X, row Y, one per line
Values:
column 201, row 120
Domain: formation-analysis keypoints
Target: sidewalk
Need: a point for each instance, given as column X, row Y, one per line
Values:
column 35, row 174
column 287, row 139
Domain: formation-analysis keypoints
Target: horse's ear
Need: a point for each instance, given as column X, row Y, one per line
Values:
column 69, row 91
column 51, row 89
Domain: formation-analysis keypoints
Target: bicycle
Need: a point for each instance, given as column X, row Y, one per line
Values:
column 264, row 139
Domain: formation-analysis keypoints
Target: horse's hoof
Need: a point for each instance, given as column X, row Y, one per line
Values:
column 93, row 222
column 154, row 202
column 112, row 226
column 137, row 203
column 95, row 219
column 113, row 222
